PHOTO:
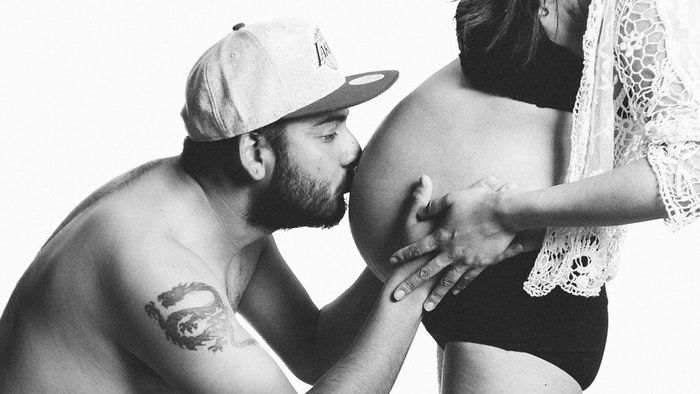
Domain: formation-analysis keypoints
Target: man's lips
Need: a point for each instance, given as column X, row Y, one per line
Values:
column 347, row 184
column 350, row 175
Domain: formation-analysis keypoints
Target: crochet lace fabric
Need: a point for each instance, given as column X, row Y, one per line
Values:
column 639, row 97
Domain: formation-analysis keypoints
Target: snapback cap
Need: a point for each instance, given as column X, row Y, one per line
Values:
column 263, row 72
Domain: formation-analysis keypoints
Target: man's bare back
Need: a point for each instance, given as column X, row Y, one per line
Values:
column 62, row 319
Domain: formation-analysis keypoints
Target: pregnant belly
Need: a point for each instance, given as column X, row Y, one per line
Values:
column 512, row 141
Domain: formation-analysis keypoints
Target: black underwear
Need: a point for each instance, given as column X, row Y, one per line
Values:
column 566, row 330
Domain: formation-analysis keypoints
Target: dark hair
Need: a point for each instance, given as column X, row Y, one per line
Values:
column 499, row 30
column 206, row 157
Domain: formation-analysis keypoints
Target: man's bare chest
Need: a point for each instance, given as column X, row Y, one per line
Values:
column 239, row 275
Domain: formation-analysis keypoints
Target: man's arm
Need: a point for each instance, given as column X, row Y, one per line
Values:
column 307, row 339
column 312, row 341
column 173, row 313
column 373, row 362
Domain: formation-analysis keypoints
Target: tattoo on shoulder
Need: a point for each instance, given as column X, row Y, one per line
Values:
column 209, row 325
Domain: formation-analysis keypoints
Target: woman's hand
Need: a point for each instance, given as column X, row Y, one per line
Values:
column 469, row 238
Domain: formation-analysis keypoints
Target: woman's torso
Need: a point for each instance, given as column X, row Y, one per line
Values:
column 456, row 135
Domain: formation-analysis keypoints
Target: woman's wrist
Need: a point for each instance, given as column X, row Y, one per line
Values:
column 508, row 208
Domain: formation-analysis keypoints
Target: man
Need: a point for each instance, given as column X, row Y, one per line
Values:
column 138, row 288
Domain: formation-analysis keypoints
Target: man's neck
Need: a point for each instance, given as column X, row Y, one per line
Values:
column 228, row 204
column 566, row 23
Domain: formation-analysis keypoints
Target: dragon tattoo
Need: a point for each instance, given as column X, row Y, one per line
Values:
column 209, row 325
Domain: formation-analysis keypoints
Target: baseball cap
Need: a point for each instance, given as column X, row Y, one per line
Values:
column 263, row 72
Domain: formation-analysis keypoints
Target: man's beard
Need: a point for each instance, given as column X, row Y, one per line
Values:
column 293, row 199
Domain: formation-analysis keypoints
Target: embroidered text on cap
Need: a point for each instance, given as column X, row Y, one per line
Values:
column 323, row 51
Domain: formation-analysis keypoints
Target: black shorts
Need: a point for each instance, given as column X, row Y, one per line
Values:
column 566, row 330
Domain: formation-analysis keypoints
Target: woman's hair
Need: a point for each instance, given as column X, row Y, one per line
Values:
column 223, row 156
column 499, row 30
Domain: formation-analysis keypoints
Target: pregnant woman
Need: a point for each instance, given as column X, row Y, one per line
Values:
column 503, row 109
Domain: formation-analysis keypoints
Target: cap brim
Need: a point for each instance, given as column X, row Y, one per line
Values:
column 356, row 90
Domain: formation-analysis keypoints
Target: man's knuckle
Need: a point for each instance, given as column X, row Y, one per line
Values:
column 412, row 251
column 435, row 297
column 447, row 282
column 454, row 254
column 424, row 273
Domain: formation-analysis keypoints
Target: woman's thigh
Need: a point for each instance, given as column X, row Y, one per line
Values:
column 474, row 368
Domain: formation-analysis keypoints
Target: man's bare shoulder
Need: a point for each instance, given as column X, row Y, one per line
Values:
column 119, row 183
column 137, row 210
column 105, row 226
column 137, row 255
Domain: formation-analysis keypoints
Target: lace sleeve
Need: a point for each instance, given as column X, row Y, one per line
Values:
column 663, row 96
column 677, row 168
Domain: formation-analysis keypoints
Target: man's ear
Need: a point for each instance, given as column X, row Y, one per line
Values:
column 256, row 155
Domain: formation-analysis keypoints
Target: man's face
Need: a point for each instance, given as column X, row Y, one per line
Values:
column 314, row 166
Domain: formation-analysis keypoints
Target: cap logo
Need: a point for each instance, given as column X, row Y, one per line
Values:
column 366, row 79
column 323, row 51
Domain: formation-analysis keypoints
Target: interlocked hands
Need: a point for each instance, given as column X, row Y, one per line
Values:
column 469, row 237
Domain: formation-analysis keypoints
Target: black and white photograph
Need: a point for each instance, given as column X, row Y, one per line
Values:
column 421, row 196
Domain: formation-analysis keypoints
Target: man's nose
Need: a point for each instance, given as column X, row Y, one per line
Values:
column 352, row 153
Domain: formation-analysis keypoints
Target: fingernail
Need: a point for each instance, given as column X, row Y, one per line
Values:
column 429, row 306
column 393, row 260
column 455, row 292
column 399, row 294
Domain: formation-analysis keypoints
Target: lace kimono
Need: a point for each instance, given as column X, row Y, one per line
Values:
column 639, row 97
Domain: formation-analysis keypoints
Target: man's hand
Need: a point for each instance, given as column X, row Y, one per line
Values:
column 413, row 228
column 469, row 238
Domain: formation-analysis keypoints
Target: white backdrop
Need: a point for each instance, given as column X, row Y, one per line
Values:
column 90, row 89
